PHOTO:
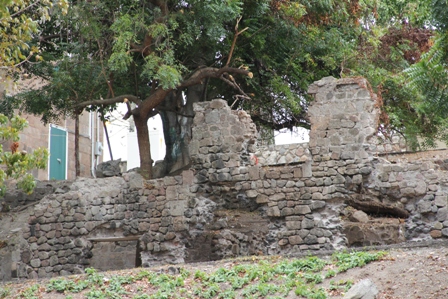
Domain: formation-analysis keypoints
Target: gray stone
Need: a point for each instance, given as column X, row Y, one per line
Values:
column 35, row 263
column 302, row 209
column 424, row 206
column 294, row 240
column 317, row 204
column 261, row 198
column 109, row 169
column 359, row 216
column 177, row 207
column 307, row 223
column 252, row 194
column 440, row 200
column 273, row 212
column 364, row 289
column 442, row 214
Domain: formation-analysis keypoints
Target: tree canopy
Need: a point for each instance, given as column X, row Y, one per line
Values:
column 20, row 22
column 159, row 56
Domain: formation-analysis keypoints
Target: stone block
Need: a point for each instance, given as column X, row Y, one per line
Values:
column 442, row 214
column 295, row 240
column 364, row 289
column 287, row 212
column 307, row 223
column 251, row 193
column 293, row 225
column 438, row 225
column 273, row 212
column 440, row 200
column 277, row 197
column 317, row 195
column 187, row 177
column 261, row 199
column 317, row 204
column 359, row 216
column 424, row 206
column 302, row 210
column 283, row 242
column 171, row 193
column 35, row 263
column 435, row 234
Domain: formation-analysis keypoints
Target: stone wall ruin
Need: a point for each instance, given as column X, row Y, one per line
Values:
column 239, row 199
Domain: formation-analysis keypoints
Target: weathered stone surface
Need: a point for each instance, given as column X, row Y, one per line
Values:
column 435, row 234
column 240, row 199
column 109, row 169
column 364, row 289
column 359, row 216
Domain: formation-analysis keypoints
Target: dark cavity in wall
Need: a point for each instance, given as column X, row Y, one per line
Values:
column 115, row 253
column 231, row 233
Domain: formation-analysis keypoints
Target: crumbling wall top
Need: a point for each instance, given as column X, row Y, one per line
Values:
column 344, row 117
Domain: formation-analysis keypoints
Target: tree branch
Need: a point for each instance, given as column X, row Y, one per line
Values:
column 232, row 47
column 231, row 81
column 47, row 37
column 110, row 101
column 287, row 124
column 210, row 72
column 162, row 5
column 24, row 9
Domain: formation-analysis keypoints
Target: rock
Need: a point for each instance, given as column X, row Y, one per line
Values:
column 359, row 216
column 109, row 169
column 435, row 234
column 364, row 289
column 442, row 214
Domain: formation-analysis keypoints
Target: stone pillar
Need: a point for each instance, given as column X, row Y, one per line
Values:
column 344, row 116
column 222, row 140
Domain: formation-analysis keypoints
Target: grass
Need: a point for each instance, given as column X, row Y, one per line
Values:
column 272, row 277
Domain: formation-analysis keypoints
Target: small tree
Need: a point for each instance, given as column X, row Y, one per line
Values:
column 16, row 164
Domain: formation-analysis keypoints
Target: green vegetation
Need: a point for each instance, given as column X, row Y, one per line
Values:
column 260, row 278
column 260, row 56
column 15, row 164
column 19, row 23
column 4, row 292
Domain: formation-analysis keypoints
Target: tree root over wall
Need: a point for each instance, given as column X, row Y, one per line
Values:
column 376, row 207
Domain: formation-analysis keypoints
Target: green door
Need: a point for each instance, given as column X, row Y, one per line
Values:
column 58, row 153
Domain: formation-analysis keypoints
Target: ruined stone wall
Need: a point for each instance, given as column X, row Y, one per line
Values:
column 239, row 199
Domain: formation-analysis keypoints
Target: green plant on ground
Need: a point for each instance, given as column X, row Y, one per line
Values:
column 4, row 292
column 94, row 277
column 341, row 284
column 270, row 278
column 346, row 260
column 30, row 292
column 60, row 285
column 95, row 294
column 310, row 292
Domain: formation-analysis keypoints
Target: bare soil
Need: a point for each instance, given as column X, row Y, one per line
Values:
column 413, row 272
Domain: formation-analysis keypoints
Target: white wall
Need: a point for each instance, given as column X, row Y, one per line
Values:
column 298, row 135
column 123, row 139
column 156, row 140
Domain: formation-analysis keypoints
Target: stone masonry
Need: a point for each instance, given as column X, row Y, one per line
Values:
column 239, row 199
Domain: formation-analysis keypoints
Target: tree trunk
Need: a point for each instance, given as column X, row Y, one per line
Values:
column 144, row 147
column 377, row 208
column 177, row 121
column 77, row 164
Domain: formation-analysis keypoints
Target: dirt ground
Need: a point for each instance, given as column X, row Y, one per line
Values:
column 411, row 273
column 405, row 273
